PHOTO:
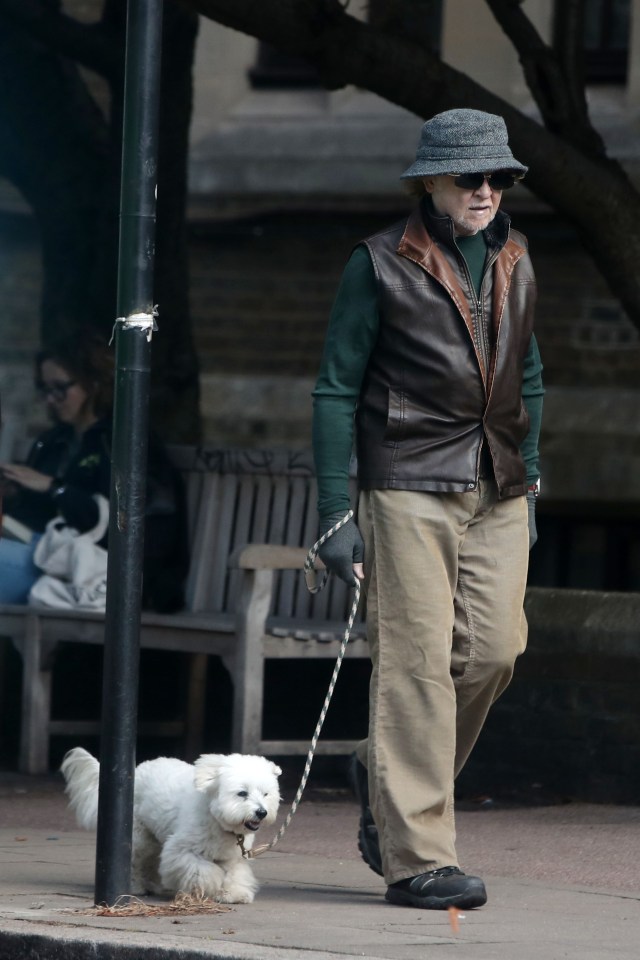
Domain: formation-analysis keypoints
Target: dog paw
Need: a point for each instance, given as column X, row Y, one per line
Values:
column 200, row 885
column 235, row 896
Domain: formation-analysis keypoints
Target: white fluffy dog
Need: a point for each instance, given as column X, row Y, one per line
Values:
column 187, row 820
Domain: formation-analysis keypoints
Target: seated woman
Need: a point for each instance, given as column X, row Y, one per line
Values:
column 70, row 463
column 67, row 464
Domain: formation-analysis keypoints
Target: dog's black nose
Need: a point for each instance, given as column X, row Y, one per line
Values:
column 261, row 813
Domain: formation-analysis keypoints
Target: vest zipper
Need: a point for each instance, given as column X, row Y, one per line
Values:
column 482, row 339
column 483, row 327
column 478, row 319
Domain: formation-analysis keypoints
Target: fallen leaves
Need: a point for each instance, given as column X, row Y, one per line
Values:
column 184, row 904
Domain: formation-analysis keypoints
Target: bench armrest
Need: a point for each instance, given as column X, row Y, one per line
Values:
column 270, row 556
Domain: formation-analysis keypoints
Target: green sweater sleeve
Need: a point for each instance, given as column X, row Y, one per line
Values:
column 351, row 336
column 532, row 394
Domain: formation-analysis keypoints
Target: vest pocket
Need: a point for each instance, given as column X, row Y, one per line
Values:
column 395, row 417
column 408, row 420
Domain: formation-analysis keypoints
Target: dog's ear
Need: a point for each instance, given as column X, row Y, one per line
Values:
column 207, row 770
column 275, row 769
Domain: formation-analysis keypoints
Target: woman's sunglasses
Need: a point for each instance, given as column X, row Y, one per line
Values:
column 57, row 390
column 501, row 180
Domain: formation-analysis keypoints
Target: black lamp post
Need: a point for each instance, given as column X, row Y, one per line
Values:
column 133, row 330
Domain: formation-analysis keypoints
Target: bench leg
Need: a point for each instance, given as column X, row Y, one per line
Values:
column 248, row 675
column 37, row 668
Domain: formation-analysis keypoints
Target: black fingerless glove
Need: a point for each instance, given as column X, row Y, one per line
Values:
column 343, row 548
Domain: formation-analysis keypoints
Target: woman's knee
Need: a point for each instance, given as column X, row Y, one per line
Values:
column 18, row 572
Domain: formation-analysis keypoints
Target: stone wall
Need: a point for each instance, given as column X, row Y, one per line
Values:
column 568, row 726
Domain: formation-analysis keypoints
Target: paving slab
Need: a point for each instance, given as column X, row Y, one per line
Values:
column 562, row 881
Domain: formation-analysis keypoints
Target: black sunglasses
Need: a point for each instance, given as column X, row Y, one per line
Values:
column 58, row 390
column 501, row 180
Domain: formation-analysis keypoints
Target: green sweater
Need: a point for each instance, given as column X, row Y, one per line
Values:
column 351, row 336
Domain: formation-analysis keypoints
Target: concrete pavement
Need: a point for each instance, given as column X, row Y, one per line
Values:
column 562, row 880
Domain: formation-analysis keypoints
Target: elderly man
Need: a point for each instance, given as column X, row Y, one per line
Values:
column 430, row 346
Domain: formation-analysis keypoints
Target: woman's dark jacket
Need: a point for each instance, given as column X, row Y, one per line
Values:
column 82, row 468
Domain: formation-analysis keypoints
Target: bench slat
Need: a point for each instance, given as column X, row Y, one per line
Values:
column 221, row 544
column 197, row 581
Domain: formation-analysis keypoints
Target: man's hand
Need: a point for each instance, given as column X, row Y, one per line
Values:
column 531, row 519
column 343, row 552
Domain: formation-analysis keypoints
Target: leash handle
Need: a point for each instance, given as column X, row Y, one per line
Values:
column 313, row 586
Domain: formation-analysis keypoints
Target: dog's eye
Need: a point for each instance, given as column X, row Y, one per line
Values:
column 242, row 793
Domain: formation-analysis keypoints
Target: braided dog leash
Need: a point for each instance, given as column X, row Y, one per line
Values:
column 311, row 578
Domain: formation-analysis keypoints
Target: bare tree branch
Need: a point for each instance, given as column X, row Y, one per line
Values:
column 88, row 44
column 558, row 94
column 568, row 43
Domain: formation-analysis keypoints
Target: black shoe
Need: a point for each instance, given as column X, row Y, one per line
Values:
column 368, row 844
column 438, row 890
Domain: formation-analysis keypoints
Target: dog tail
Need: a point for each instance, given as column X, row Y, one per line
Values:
column 82, row 772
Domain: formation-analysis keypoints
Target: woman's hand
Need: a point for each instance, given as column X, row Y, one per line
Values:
column 26, row 477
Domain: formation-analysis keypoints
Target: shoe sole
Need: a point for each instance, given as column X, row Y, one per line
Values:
column 465, row 901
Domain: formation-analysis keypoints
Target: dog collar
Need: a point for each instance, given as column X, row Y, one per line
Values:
column 240, row 841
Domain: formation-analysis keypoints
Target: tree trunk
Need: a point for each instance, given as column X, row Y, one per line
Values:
column 60, row 151
column 54, row 147
column 175, row 382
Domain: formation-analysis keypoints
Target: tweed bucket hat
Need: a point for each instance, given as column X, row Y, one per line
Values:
column 463, row 141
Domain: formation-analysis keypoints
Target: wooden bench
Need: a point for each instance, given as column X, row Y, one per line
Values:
column 244, row 604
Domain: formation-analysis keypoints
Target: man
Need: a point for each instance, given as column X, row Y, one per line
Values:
column 430, row 345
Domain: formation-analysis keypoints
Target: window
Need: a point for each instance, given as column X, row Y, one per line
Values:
column 606, row 40
column 276, row 70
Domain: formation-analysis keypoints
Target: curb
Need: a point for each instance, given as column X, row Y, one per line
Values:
column 70, row 944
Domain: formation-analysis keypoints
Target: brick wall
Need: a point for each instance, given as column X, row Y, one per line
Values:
column 261, row 292
column 585, row 337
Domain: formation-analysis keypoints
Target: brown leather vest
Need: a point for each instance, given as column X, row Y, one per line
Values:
column 445, row 376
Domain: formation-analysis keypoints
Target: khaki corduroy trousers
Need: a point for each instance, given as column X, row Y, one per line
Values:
column 445, row 581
